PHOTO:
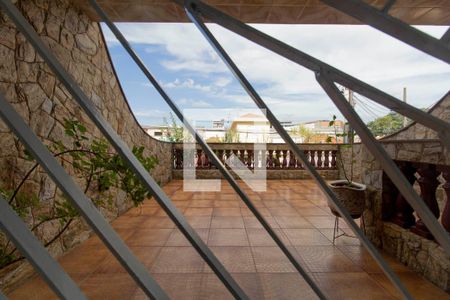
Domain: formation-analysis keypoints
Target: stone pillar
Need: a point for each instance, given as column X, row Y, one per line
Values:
column 403, row 216
column 428, row 184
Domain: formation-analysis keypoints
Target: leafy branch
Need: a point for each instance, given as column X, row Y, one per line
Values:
column 89, row 161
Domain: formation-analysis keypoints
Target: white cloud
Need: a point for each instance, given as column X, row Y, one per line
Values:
column 222, row 81
column 190, row 103
column 151, row 113
column 188, row 83
column 360, row 51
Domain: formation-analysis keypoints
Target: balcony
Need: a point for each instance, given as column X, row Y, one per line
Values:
column 296, row 209
column 42, row 97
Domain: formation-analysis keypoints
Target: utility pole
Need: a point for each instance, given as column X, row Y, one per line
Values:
column 405, row 119
column 349, row 138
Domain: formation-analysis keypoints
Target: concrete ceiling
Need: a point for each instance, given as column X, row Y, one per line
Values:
column 418, row 12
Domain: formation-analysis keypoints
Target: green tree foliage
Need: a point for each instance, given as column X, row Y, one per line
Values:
column 303, row 132
column 231, row 136
column 174, row 133
column 90, row 162
column 386, row 125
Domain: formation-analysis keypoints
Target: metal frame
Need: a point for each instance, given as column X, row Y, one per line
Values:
column 209, row 152
column 101, row 227
column 36, row 254
column 293, row 146
column 80, row 201
column 382, row 21
column 334, row 75
column 316, row 65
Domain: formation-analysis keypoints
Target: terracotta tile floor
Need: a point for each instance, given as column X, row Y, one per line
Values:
column 297, row 211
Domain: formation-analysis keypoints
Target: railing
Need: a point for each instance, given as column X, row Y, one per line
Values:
column 397, row 210
column 274, row 157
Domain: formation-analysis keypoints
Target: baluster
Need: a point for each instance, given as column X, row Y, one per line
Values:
column 312, row 157
column 428, row 184
column 227, row 156
column 327, row 159
column 261, row 159
column 198, row 161
column 277, row 159
column 292, row 160
column 249, row 159
column 319, row 159
column 220, row 155
column 178, row 156
column 445, row 218
column 389, row 195
column 403, row 211
column 333, row 159
column 207, row 161
column 242, row 156
column 270, row 159
column 284, row 160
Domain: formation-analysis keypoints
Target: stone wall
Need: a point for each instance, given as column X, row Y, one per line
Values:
column 414, row 143
column 43, row 102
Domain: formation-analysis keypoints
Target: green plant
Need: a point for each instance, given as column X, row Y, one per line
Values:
column 304, row 132
column 387, row 124
column 340, row 160
column 91, row 163
column 174, row 133
column 231, row 136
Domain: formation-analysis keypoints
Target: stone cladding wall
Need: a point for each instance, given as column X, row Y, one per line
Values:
column 42, row 101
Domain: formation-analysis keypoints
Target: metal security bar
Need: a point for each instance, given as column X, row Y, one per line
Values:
column 382, row 21
column 37, row 255
column 442, row 127
column 315, row 65
column 101, row 227
column 80, row 201
column 295, row 148
column 209, row 152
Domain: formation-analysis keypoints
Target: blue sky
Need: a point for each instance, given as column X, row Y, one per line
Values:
column 194, row 76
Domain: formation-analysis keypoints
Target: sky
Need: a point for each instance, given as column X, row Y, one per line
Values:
column 195, row 78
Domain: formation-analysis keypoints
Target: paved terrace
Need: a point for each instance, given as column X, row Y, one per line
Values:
column 296, row 209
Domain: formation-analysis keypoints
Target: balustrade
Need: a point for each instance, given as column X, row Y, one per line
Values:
column 427, row 176
column 276, row 157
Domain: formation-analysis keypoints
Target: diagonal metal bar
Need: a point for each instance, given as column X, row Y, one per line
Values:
column 36, row 254
column 315, row 65
column 292, row 145
column 445, row 38
column 386, row 162
column 368, row 14
column 80, row 201
column 227, row 175
column 129, row 262
column 388, row 6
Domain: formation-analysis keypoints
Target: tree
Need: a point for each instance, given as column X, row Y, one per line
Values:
column 386, row 125
column 231, row 136
column 303, row 132
column 174, row 133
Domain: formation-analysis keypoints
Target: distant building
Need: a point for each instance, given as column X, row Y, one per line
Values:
column 157, row 131
column 252, row 128
column 255, row 128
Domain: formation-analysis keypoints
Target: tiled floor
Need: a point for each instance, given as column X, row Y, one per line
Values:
column 297, row 211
